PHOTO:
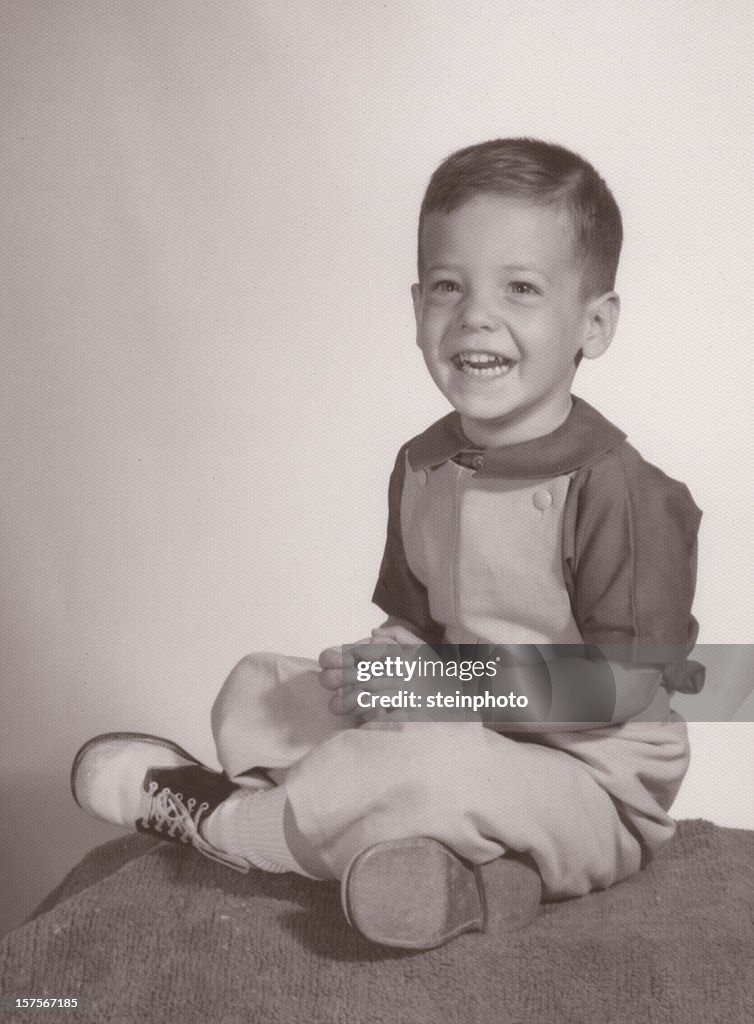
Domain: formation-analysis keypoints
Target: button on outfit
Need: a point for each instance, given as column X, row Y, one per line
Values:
column 542, row 500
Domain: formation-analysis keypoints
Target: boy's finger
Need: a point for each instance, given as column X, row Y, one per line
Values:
column 344, row 654
column 337, row 678
column 343, row 701
column 330, row 678
column 364, row 651
column 332, row 657
column 358, row 700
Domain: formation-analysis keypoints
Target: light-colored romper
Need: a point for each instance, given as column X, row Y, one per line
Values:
column 570, row 539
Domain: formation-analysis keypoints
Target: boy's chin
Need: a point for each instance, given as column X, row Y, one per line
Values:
column 510, row 424
column 486, row 414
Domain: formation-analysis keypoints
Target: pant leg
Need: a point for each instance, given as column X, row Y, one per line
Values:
column 270, row 712
column 641, row 765
column 482, row 793
column 588, row 807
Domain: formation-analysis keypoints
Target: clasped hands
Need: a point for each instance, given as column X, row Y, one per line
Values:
column 346, row 674
column 345, row 669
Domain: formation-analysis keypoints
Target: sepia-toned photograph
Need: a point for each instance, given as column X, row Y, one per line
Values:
column 375, row 470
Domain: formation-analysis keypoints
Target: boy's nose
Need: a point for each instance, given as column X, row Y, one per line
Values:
column 477, row 314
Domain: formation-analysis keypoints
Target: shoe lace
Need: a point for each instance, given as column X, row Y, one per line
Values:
column 169, row 812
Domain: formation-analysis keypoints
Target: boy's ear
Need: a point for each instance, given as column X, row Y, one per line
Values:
column 602, row 320
column 416, row 296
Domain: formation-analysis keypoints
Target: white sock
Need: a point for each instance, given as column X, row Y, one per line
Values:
column 249, row 824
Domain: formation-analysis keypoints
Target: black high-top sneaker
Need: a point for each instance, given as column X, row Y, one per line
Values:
column 152, row 785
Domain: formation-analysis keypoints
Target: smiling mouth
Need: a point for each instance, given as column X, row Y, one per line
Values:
column 482, row 364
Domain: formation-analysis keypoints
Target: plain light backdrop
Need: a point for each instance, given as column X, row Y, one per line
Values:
column 208, row 221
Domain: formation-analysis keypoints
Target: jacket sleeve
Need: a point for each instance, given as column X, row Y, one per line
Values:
column 398, row 592
column 630, row 550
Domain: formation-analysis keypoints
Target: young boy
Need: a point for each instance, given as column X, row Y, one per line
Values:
column 523, row 518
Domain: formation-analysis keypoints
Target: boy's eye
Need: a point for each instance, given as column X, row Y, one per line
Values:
column 446, row 286
column 523, row 288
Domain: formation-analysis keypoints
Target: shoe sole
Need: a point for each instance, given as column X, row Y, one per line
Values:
column 129, row 737
column 413, row 894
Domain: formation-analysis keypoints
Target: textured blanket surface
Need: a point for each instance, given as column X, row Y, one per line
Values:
column 148, row 932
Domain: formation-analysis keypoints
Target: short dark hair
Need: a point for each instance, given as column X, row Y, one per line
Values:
column 541, row 173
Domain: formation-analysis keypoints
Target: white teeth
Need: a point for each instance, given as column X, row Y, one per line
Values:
column 490, row 371
column 478, row 357
column 482, row 364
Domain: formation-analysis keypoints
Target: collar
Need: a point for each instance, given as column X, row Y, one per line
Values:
column 582, row 437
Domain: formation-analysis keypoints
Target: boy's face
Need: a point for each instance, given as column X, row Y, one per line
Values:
column 502, row 314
